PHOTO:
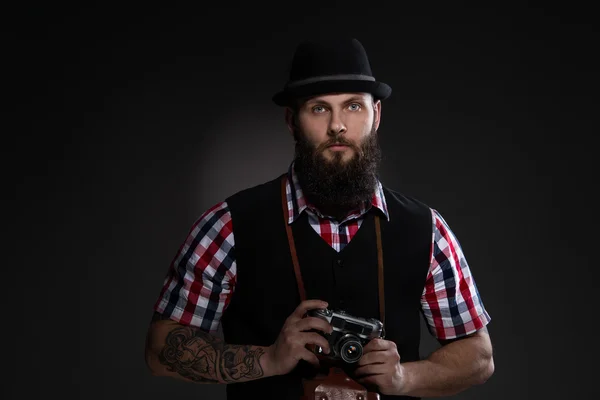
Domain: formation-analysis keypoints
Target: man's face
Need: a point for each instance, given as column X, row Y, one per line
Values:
column 337, row 152
column 337, row 124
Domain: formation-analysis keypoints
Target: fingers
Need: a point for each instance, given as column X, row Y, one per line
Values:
column 316, row 339
column 379, row 345
column 311, row 357
column 378, row 355
column 307, row 305
column 293, row 340
column 308, row 323
column 371, row 369
column 374, row 357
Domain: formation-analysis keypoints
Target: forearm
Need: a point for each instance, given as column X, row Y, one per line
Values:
column 196, row 356
column 450, row 369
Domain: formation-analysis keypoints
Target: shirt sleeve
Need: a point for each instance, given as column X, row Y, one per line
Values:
column 201, row 278
column 451, row 303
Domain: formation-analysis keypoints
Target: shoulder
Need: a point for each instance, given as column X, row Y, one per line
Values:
column 397, row 200
column 216, row 220
column 216, row 212
column 256, row 194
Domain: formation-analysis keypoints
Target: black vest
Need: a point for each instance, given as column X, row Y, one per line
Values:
column 266, row 291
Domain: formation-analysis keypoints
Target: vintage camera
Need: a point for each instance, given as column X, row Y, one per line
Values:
column 350, row 334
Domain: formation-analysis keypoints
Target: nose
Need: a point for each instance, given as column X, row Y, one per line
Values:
column 336, row 125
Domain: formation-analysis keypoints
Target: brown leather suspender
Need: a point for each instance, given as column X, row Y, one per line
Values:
column 380, row 271
column 299, row 280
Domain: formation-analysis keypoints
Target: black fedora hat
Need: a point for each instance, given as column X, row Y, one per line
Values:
column 330, row 66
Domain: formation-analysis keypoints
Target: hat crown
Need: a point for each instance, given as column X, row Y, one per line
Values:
column 330, row 65
column 326, row 57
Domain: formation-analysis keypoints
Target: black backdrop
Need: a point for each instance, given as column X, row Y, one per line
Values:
column 124, row 124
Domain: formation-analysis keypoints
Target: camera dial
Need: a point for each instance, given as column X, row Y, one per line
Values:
column 325, row 311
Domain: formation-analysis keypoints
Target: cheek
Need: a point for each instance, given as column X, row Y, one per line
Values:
column 359, row 127
column 314, row 133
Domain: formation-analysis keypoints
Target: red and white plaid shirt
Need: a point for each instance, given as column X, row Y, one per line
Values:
column 202, row 276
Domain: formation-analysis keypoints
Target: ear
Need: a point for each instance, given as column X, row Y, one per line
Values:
column 377, row 113
column 289, row 119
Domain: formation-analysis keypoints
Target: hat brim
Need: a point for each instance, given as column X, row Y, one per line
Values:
column 378, row 90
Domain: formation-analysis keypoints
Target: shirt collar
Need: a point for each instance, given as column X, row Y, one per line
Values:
column 297, row 202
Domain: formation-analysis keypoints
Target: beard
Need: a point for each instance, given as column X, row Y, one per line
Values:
column 335, row 186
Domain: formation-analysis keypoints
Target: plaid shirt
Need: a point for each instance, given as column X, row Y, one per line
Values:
column 202, row 276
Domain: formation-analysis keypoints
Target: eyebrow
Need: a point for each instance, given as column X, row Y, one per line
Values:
column 350, row 99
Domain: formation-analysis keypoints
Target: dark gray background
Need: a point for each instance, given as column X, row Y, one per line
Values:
column 128, row 122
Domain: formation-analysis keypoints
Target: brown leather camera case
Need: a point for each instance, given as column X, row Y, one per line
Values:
column 336, row 385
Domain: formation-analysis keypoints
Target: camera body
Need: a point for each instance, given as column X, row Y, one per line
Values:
column 350, row 334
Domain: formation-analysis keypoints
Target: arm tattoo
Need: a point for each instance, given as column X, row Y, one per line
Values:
column 201, row 357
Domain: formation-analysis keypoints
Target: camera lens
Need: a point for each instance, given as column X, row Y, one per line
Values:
column 351, row 350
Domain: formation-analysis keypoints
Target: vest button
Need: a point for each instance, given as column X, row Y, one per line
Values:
column 339, row 263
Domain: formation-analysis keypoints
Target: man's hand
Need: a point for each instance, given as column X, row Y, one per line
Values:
column 291, row 344
column 380, row 366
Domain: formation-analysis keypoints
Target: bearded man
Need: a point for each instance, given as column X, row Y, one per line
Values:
column 294, row 267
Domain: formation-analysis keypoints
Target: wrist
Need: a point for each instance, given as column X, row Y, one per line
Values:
column 267, row 362
column 406, row 378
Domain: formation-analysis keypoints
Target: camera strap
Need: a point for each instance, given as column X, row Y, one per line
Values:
column 292, row 245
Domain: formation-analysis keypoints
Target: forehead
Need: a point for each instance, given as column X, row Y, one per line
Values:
column 338, row 98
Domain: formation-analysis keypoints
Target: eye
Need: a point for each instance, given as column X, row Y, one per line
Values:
column 354, row 107
column 318, row 109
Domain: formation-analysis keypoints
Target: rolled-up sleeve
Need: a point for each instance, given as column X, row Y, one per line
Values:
column 450, row 302
column 201, row 278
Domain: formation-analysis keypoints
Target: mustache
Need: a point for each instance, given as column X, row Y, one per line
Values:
column 339, row 141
